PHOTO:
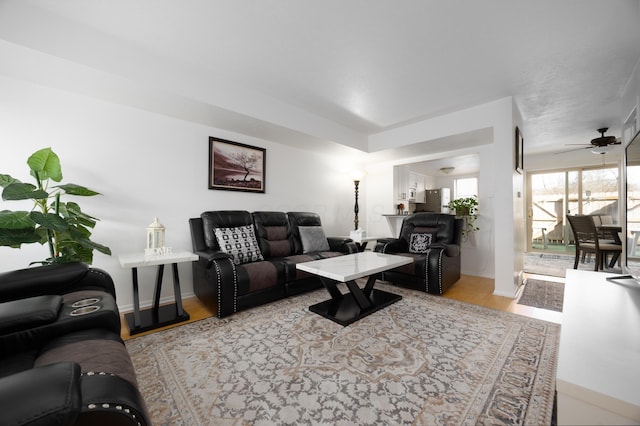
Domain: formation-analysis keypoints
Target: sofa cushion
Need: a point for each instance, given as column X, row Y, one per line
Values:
column 313, row 239
column 239, row 242
column 277, row 241
column 420, row 242
column 273, row 233
column 261, row 275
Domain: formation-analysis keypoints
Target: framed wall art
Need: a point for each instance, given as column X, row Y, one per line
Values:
column 234, row 166
column 519, row 151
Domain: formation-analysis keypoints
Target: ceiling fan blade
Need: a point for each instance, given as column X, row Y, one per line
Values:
column 571, row 150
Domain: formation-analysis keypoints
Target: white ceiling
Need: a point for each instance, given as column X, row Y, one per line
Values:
column 362, row 65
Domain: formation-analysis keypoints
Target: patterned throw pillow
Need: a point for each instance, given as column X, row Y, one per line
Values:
column 420, row 243
column 239, row 242
column 313, row 239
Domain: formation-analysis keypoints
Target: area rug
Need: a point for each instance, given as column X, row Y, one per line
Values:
column 554, row 265
column 424, row 360
column 543, row 294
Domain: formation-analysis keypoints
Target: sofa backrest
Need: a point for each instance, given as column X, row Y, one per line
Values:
column 297, row 219
column 273, row 233
column 222, row 219
column 443, row 226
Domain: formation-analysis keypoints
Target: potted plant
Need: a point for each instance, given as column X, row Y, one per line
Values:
column 63, row 226
column 466, row 208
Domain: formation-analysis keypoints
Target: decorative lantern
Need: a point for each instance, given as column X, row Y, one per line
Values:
column 155, row 237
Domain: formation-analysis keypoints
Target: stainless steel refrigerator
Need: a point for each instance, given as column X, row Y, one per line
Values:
column 437, row 200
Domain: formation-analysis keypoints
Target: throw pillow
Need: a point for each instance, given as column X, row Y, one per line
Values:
column 420, row 243
column 313, row 239
column 239, row 242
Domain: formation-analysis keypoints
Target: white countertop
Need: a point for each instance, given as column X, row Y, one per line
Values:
column 352, row 266
column 599, row 354
column 135, row 260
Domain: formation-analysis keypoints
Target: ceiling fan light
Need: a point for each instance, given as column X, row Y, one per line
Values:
column 600, row 149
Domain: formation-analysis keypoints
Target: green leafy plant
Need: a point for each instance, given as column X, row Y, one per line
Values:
column 63, row 226
column 466, row 208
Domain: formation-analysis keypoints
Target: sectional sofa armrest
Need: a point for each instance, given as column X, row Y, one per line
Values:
column 391, row 245
column 58, row 278
column 342, row 245
column 44, row 395
column 22, row 314
column 450, row 250
column 398, row 245
column 207, row 256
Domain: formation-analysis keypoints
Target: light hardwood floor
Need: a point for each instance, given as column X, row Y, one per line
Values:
column 470, row 289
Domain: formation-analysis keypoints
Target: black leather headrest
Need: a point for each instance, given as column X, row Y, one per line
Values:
column 442, row 225
column 222, row 219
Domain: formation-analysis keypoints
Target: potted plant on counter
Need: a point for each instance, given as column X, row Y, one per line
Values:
column 467, row 209
column 63, row 226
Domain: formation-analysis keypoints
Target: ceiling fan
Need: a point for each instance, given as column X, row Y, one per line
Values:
column 600, row 145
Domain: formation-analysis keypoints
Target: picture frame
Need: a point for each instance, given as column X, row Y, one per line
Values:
column 519, row 150
column 234, row 166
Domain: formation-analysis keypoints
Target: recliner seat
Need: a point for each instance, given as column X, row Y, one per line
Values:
column 436, row 267
column 62, row 360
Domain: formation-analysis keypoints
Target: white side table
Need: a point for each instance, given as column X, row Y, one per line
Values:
column 156, row 316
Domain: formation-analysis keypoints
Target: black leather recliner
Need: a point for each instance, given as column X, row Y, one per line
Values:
column 62, row 361
column 436, row 267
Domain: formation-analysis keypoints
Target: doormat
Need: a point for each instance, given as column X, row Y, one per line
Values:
column 543, row 294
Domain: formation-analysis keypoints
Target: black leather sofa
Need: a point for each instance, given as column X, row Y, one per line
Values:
column 436, row 265
column 226, row 286
column 62, row 361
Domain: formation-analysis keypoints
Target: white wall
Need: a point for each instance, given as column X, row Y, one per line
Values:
column 497, row 252
column 147, row 165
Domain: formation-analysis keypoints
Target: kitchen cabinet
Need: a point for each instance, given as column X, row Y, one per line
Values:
column 408, row 186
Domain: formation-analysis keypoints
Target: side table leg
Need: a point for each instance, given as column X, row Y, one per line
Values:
column 157, row 291
column 136, row 298
column 176, row 290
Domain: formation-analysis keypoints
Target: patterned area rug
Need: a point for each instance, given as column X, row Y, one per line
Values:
column 543, row 294
column 424, row 360
column 555, row 265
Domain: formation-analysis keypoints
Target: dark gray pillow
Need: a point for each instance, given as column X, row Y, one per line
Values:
column 313, row 239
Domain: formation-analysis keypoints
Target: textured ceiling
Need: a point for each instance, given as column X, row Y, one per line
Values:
column 367, row 65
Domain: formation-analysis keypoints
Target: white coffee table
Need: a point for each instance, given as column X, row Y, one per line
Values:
column 358, row 303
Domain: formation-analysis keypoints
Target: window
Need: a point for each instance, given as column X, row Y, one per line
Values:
column 466, row 187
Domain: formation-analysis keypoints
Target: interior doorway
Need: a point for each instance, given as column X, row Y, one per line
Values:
column 554, row 194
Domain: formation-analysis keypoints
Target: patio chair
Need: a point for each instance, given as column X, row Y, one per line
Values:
column 586, row 238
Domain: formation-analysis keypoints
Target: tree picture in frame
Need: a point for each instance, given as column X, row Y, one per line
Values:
column 234, row 166
column 519, row 149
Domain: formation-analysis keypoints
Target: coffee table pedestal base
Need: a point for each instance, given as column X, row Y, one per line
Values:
column 346, row 310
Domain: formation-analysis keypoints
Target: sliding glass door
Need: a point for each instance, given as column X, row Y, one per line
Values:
column 553, row 195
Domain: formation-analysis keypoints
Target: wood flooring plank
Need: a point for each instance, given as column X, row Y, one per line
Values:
column 470, row 289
